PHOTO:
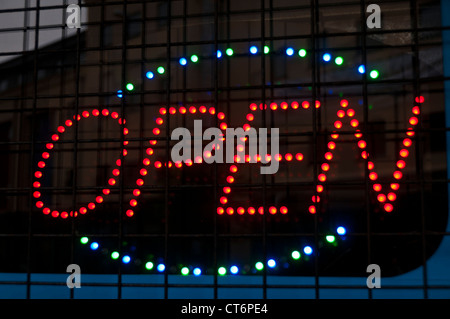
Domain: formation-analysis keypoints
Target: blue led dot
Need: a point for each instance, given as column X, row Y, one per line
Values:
column 308, row 250
column 94, row 246
column 290, row 51
column 161, row 267
column 183, row 61
column 119, row 94
column 326, row 57
column 362, row 69
column 149, row 75
column 219, row 54
column 234, row 270
column 253, row 49
column 271, row 263
column 126, row 259
column 197, row 271
column 341, row 230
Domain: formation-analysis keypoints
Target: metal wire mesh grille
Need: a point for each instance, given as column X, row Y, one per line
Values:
column 126, row 58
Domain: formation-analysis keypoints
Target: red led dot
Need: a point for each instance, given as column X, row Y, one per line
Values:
column 416, row 110
column 125, row 131
column 319, row 188
column 325, row 167
column 192, row 109
column 143, row 172
column 362, row 144
column 55, row 213
column 111, row 181
column 329, row 156
column 295, row 105
column 354, row 123
column 364, row 154
column 158, row 164
column 350, row 112
column 91, row 206
column 398, row 175
column 220, row 115
column 130, row 213
column 223, row 200
column 240, row 210
column 146, row 161
column 121, row 121
column 178, row 164
column 312, row 209
column 202, row 109
column 189, row 162
column 322, row 177
column 344, row 103
column 230, row 179
column 41, row 164
column 284, row 105
column 233, row 168
column 95, row 112
column 99, row 199
column 407, row 142
column 370, row 165
column 182, row 110
column 305, row 104
column 420, row 99
column 317, row 104
column 172, row 110
column 36, row 194
column 288, row 157
column 61, row 129
column 341, row 113
column 46, row 211
column 136, row 192
column 334, row 136
column 159, row 121
column 149, row 151
column 220, row 210
column 299, row 157
column 115, row 115
column 223, row 126
column 49, row 146
column 85, row 114
column 381, row 198
column 316, row 199
column 395, row 186
column 338, row 124
column 212, row 111
column 68, row 123
column 39, row 204
column 373, row 176
column 152, row 142
column 251, row 210
column 105, row 112
column 331, row 145
column 116, row 172
column 78, row 117
column 283, row 210
column 230, row 211
column 401, row 164
column 162, row 111
column 36, row 184
column 273, row 106
column 392, row 197
column 133, row 202
column 118, row 162
column 106, row 191
column 227, row 190
column 358, row 135
column 124, row 152
column 261, row 210
column 253, row 106
column 413, row 120
column 388, row 208
column 139, row 182
column 272, row 210
column 377, row 187
column 250, row 117
column 404, row 153
column 38, row 174
column 198, row 159
column 261, row 106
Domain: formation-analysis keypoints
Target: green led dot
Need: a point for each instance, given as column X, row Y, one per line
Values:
column 339, row 60
column 374, row 74
column 114, row 255
column 266, row 49
column 222, row 271
column 330, row 238
column 149, row 265
column 229, row 52
column 130, row 87
column 84, row 240
column 259, row 265
column 185, row 271
column 160, row 70
column 296, row 255
column 302, row 53
column 194, row 58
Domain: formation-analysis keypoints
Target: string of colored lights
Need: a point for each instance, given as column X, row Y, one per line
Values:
column 234, row 269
